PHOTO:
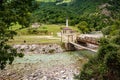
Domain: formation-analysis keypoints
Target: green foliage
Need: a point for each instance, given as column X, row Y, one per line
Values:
column 83, row 26
column 107, row 49
column 77, row 11
column 104, row 41
column 51, row 51
column 7, row 54
column 106, row 30
column 51, row 13
column 48, row 29
column 106, row 65
column 116, row 40
column 12, row 12
column 112, row 30
column 37, row 31
column 53, row 0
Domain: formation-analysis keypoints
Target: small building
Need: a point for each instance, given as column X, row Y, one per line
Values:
column 67, row 34
column 35, row 25
column 67, row 30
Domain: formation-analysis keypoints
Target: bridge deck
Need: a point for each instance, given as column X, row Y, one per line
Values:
column 88, row 40
column 83, row 47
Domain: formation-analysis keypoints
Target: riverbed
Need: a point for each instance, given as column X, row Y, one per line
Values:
column 57, row 66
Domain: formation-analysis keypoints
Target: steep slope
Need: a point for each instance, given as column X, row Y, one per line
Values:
column 96, row 13
column 106, row 65
column 91, row 6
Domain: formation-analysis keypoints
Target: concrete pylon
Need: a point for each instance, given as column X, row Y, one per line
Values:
column 66, row 22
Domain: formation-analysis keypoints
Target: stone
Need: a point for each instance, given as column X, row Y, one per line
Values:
column 44, row 78
column 62, row 71
column 64, row 77
column 41, row 49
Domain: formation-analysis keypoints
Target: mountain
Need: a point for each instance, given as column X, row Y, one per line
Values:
column 96, row 13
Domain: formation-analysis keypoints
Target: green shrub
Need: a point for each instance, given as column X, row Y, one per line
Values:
column 51, row 51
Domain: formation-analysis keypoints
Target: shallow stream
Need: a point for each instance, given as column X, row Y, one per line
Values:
column 58, row 66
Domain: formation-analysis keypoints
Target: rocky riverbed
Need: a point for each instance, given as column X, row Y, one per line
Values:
column 35, row 72
column 38, row 48
column 60, row 66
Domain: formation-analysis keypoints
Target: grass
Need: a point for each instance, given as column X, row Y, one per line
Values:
column 51, row 28
column 32, row 39
column 24, row 35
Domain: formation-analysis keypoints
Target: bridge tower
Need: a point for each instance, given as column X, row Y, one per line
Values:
column 67, row 22
column 68, row 34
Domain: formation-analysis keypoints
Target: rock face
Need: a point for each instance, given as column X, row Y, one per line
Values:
column 38, row 48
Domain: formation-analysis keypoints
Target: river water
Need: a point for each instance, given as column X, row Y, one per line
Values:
column 58, row 66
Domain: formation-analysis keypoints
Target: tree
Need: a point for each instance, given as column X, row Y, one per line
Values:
column 83, row 26
column 57, row 1
column 106, row 30
column 106, row 65
column 113, row 29
column 12, row 12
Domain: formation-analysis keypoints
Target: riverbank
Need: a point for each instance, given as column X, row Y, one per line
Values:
column 38, row 48
column 60, row 66
column 44, row 61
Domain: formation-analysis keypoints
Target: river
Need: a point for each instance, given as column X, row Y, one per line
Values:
column 57, row 66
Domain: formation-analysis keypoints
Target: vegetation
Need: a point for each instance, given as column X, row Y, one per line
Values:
column 43, row 29
column 83, row 26
column 33, row 39
column 106, row 65
column 12, row 12
column 113, row 29
column 53, row 0
column 97, row 14
column 87, row 15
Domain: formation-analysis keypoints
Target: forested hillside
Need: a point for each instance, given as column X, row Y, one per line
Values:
column 106, row 65
column 95, row 13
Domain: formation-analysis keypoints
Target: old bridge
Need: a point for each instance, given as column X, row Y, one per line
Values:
column 84, row 41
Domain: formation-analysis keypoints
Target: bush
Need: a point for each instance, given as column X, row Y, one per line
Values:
column 32, row 31
column 37, row 31
column 106, row 65
column 51, row 51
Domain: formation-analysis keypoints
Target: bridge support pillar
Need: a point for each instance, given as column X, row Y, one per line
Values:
column 69, row 47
